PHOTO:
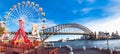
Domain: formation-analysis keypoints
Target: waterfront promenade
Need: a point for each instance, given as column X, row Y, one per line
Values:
column 90, row 51
column 66, row 50
column 59, row 50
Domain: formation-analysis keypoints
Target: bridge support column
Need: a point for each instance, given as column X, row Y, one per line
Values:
column 86, row 36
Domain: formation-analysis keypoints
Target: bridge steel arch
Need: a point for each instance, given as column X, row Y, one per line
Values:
column 53, row 30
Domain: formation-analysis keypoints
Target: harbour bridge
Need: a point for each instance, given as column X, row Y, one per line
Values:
column 74, row 29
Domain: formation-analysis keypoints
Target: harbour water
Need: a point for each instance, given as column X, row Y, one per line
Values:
column 112, row 44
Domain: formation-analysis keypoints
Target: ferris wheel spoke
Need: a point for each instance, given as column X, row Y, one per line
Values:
column 28, row 27
column 10, row 24
column 28, row 13
column 38, row 15
column 25, row 9
column 14, row 12
column 22, row 7
column 31, row 14
column 30, row 9
column 36, row 10
column 17, row 12
column 12, row 17
column 11, row 14
column 27, row 5
column 11, row 28
column 15, row 7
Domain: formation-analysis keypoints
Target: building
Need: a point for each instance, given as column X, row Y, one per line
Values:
column 103, row 35
column 115, row 35
column 2, row 28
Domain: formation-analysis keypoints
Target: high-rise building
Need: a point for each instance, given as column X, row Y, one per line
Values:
column 117, row 34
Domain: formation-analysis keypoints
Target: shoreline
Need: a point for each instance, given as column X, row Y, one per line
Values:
column 86, row 39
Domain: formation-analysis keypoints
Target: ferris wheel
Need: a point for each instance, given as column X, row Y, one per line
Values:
column 30, row 12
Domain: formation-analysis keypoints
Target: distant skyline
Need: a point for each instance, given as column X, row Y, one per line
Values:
column 97, row 15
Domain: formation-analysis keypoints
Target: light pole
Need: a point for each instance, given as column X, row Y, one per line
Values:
column 107, row 34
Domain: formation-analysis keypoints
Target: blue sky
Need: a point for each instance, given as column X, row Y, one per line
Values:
column 64, row 11
column 97, row 15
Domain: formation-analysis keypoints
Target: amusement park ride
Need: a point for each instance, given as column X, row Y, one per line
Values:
column 21, row 12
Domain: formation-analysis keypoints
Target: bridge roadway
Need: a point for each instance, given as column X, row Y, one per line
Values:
column 65, row 33
column 60, row 33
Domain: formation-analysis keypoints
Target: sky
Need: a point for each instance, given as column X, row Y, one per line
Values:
column 97, row 15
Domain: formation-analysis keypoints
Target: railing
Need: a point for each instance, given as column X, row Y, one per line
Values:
column 51, row 50
column 12, row 50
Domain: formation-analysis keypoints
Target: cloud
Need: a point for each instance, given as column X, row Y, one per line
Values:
column 80, row 1
column 110, row 23
column 86, row 10
column 91, row 1
column 115, row 1
column 50, row 23
column 113, row 7
column 74, row 11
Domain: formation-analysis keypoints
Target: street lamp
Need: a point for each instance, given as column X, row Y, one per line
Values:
column 107, row 34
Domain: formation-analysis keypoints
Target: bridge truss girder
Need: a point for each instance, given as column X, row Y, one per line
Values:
column 54, row 30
